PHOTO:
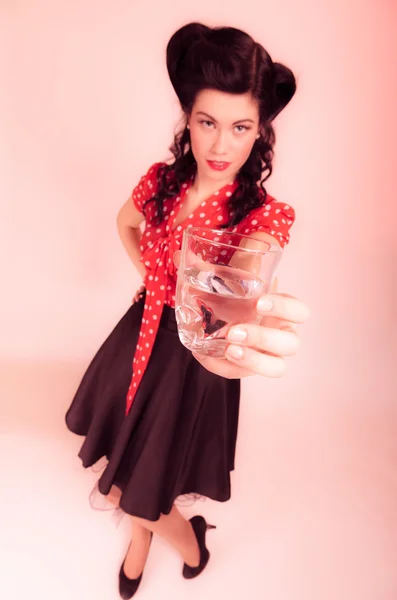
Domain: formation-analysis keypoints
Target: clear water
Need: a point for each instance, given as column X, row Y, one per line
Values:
column 210, row 301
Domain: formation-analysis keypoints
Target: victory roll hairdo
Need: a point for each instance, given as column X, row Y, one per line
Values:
column 228, row 60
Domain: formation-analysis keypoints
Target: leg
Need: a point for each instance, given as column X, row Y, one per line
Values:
column 140, row 541
column 173, row 528
column 178, row 532
column 114, row 495
column 138, row 551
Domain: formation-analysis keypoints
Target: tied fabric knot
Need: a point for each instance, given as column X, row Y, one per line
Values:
column 161, row 250
column 159, row 263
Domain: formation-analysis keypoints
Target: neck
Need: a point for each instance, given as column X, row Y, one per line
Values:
column 207, row 187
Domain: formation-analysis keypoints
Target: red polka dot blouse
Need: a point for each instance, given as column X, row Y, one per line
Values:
column 160, row 242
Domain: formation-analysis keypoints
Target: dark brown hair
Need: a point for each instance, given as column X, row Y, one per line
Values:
column 228, row 60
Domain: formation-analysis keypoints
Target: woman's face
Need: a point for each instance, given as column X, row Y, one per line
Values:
column 223, row 129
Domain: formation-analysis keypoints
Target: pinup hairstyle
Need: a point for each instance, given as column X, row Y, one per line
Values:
column 228, row 60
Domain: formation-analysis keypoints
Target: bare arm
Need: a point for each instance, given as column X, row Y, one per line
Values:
column 128, row 221
column 243, row 260
column 266, row 237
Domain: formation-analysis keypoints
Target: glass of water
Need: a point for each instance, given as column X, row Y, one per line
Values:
column 221, row 276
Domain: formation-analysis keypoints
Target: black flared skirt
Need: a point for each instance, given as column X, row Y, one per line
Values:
column 180, row 435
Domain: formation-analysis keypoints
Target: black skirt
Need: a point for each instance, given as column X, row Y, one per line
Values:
column 180, row 435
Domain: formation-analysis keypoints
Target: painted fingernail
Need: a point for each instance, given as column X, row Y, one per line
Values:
column 237, row 335
column 264, row 304
column 235, row 352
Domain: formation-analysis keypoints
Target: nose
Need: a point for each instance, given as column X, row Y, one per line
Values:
column 219, row 147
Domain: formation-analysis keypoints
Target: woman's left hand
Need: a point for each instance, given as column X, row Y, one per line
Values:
column 139, row 294
column 260, row 349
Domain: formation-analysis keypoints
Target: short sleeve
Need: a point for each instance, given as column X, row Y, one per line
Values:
column 146, row 188
column 275, row 218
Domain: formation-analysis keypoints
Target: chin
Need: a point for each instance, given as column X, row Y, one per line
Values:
column 217, row 175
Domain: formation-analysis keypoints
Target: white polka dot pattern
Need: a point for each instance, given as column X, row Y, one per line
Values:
column 274, row 218
column 160, row 242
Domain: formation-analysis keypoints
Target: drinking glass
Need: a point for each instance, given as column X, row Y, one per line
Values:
column 221, row 276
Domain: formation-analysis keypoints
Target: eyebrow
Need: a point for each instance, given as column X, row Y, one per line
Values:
column 215, row 121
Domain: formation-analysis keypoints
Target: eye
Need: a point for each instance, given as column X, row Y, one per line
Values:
column 207, row 124
column 242, row 128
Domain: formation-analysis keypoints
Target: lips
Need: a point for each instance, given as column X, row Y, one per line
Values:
column 218, row 165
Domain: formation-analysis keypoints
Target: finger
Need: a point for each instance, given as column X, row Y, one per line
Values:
column 256, row 362
column 276, row 323
column 139, row 294
column 222, row 367
column 284, row 307
column 266, row 339
column 177, row 258
column 192, row 259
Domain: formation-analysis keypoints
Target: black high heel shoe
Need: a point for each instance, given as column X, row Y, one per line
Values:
column 200, row 528
column 129, row 587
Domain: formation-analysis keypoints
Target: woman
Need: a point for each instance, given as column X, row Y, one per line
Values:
column 166, row 420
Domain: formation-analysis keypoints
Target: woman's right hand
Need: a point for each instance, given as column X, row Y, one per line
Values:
column 260, row 349
column 139, row 294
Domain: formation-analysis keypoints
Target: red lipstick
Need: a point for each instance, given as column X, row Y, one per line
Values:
column 218, row 165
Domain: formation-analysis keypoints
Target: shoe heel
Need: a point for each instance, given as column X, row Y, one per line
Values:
column 200, row 528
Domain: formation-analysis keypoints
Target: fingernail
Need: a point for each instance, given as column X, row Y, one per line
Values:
column 237, row 335
column 305, row 313
column 264, row 304
column 235, row 352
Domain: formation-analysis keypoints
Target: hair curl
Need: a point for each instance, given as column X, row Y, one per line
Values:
column 228, row 60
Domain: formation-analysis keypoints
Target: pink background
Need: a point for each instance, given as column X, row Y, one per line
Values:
column 85, row 108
